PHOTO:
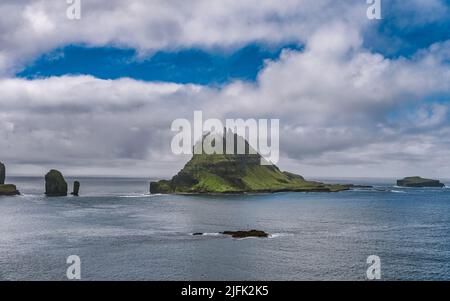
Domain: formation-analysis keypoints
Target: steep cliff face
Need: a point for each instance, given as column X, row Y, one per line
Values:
column 76, row 188
column 6, row 189
column 235, row 173
column 2, row 173
column 419, row 182
column 55, row 184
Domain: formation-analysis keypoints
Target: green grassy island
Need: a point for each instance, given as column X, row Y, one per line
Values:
column 236, row 174
column 8, row 190
column 419, row 182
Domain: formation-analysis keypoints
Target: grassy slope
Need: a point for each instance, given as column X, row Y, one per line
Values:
column 8, row 189
column 235, row 174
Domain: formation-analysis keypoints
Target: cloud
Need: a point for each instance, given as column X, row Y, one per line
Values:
column 31, row 27
column 343, row 109
column 333, row 98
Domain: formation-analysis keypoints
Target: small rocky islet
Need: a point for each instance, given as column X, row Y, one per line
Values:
column 240, row 233
column 76, row 188
column 55, row 184
column 419, row 182
column 6, row 189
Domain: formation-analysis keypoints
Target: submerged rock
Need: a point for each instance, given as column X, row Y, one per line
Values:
column 76, row 188
column 2, row 173
column 8, row 190
column 419, row 182
column 55, row 184
column 243, row 234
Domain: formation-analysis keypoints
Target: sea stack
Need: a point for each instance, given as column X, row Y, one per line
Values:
column 76, row 188
column 55, row 185
column 6, row 189
column 2, row 173
column 419, row 182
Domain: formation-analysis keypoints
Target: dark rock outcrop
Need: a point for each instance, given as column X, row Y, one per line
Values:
column 2, row 173
column 76, row 188
column 419, row 182
column 8, row 190
column 243, row 234
column 55, row 184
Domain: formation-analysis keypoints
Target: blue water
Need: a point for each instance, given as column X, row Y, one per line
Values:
column 120, row 233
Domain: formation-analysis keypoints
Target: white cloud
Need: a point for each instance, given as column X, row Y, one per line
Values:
column 334, row 98
column 333, row 103
column 32, row 27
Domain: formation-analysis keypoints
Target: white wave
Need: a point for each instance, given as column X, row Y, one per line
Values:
column 137, row 195
column 275, row 235
column 207, row 234
column 397, row 191
column 402, row 187
column 212, row 234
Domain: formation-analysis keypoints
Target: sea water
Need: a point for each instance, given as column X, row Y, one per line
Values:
column 122, row 233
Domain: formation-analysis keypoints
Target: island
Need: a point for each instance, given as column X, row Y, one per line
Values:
column 6, row 189
column 236, row 174
column 419, row 182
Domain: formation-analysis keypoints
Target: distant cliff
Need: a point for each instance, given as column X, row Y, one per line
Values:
column 236, row 173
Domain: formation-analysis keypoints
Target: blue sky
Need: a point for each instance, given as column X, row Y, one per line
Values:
column 401, row 33
column 195, row 66
column 405, row 29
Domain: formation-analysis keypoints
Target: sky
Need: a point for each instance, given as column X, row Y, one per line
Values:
column 96, row 96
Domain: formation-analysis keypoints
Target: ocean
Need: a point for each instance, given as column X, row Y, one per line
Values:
column 121, row 233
